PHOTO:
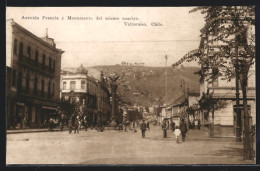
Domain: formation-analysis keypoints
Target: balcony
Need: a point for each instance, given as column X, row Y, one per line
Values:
column 38, row 94
column 29, row 63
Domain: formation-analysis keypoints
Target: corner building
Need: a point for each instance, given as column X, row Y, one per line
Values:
column 33, row 74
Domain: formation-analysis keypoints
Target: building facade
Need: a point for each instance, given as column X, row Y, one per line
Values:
column 33, row 72
column 90, row 95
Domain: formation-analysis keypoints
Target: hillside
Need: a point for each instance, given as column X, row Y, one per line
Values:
column 146, row 85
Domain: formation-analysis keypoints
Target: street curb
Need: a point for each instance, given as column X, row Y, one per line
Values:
column 32, row 131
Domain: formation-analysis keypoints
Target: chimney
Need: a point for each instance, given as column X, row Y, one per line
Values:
column 46, row 33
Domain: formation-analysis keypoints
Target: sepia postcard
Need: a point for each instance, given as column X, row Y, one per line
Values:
column 130, row 85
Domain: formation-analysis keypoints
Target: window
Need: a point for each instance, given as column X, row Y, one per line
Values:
column 19, row 82
column 36, row 57
column 43, row 60
column 49, row 62
column 15, row 46
column 27, row 83
column 53, row 89
column 20, row 50
column 64, row 85
column 83, row 85
column 14, row 78
column 53, row 65
column 29, row 52
column 49, row 88
column 35, row 85
column 42, row 88
column 72, row 85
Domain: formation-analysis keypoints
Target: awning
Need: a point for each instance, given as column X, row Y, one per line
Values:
column 50, row 108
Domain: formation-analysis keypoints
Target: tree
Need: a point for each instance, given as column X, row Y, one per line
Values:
column 210, row 104
column 227, row 48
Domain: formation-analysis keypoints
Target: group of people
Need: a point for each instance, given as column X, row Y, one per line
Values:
column 178, row 130
column 76, row 122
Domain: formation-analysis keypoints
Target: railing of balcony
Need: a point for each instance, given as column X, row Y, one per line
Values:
column 34, row 65
column 35, row 94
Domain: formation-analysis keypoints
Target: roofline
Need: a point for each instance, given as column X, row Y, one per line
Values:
column 36, row 37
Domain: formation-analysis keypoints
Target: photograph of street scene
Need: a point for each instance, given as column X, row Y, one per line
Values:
column 130, row 85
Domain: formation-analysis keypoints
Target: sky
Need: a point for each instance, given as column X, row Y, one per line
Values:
column 108, row 42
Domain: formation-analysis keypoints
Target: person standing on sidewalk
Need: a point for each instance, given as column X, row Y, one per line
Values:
column 148, row 125
column 70, row 125
column 172, row 125
column 85, row 123
column 165, row 126
column 143, row 128
column 183, row 129
column 177, row 133
column 76, row 128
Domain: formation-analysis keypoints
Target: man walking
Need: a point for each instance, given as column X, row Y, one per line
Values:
column 143, row 128
column 148, row 125
column 183, row 128
column 165, row 126
column 172, row 125
column 76, row 128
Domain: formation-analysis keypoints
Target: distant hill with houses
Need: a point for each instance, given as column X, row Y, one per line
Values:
column 143, row 85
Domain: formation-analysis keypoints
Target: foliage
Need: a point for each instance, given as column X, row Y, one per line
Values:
column 210, row 104
column 226, row 28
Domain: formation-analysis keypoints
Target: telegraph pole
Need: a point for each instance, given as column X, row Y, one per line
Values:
column 166, row 58
column 238, row 113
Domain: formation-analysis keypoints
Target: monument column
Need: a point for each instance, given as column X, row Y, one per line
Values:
column 113, row 112
column 113, row 84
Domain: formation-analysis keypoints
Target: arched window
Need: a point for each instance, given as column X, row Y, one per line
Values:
column 49, row 62
column 19, row 82
column 43, row 60
column 42, row 91
column 49, row 88
column 54, row 65
column 27, row 83
column 21, row 50
column 35, row 85
column 53, row 89
column 36, row 57
column 29, row 52
column 15, row 46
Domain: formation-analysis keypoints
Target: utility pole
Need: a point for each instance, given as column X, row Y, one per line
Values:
column 166, row 58
column 238, row 113
column 184, row 97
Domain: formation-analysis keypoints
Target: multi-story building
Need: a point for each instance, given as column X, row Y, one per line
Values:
column 91, row 95
column 223, row 89
column 33, row 66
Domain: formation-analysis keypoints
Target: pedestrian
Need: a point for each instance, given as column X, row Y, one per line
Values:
column 183, row 129
column 120, row 127
column 198, row 124
column 143, row 128
column 85, row 123
column 51, row 122
column 76, row 126
column 134, row 126
column 164, row 128
column 172, row 125
column 193, row 124
column 99, row 126
column 177, row 133
column 70, row 125
column 148, row 125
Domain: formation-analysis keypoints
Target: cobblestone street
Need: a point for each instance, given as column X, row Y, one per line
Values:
column 113, row 147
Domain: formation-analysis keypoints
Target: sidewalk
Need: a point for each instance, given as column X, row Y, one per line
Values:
column 28, row 130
